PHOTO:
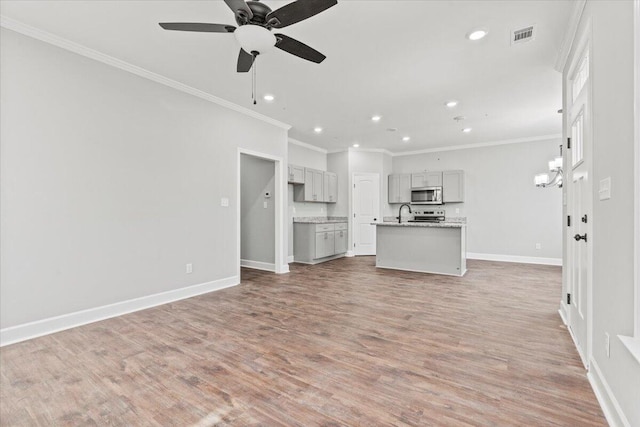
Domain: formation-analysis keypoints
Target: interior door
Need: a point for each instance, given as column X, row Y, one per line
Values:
column 366, row 210
column 579, row 186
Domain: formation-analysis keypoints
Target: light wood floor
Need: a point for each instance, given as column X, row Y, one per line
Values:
column 340, row 343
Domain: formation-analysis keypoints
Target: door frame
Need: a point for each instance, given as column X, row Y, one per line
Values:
column 352, row 205
column 583, row 45
column 280, row 198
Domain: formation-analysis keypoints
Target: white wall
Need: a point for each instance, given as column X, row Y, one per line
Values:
column 111, row 183
column 309, row 158
column 617, row 377
column 506, row 214
column 257, row 242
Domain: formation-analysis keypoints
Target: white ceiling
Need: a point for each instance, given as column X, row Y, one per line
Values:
column 400, row 59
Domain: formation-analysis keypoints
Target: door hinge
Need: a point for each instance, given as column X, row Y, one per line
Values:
column 354, row 245
column 584, row 218
column 568, row 299
column 354, row 215
column 568, row 220
column 568, row 143
column 354, row 186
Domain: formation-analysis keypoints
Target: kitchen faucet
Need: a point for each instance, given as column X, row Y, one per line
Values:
column 400, row 212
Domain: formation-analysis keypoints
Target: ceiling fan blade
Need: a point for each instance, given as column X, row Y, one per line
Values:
column 245, row 61
column 198, row 26
column 299, row 49
column 298, row 11
column 240, row 7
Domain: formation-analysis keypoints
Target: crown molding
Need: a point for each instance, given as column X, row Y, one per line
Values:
column 480, row 145
column 308, row 146
column 44, row 36
column 337, row 150
column 569, row 35
column 373, row 150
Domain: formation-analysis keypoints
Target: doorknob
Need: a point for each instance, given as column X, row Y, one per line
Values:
column 579, row 237
column 375, row 219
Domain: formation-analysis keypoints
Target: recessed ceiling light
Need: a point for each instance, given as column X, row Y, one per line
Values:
column 451, row 103
column 356, row 145
column 406, row 139
column 466, row 130
column 317, row 129
column 477, row 34
column 376, row 118
column 269, row 97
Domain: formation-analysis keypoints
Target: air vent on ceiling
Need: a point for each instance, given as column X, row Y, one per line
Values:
column 523, row 35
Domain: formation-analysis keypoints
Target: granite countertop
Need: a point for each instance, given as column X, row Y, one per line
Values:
column 445, row 224
column 320, row 219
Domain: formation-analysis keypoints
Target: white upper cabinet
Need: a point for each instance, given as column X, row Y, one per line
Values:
column 426, row 179
column 319, row 186
column 330, row 187
column 399, row 189
column 453, row 186
column 296, row 174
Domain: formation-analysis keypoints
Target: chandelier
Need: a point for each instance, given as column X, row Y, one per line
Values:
column 555, row 167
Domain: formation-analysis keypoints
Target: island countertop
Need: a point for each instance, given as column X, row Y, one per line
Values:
column 444, row 224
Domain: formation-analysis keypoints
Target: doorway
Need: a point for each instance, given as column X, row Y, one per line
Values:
column 260, row 198
column 366, row 210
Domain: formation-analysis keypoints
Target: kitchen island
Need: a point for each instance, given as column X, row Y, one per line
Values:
column 438, row 248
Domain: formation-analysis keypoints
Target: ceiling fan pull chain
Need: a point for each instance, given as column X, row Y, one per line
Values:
column 255, row 67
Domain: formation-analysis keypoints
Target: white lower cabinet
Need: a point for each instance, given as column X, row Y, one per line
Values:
column 341, row 238
column 325, row 244
column 314, row 243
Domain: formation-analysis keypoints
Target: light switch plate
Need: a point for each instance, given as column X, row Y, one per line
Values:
column 604, row 192
column 224, row 202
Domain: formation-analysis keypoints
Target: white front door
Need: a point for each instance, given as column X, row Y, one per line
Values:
column 366, row 209
column 579, row 184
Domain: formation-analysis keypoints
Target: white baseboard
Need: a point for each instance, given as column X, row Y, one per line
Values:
column 290, row 259
column 258, row 265
column 515, row 258
column 51, row 325
column 349, row 254
column 610, row 406
column 284, row 269
column 563, row 315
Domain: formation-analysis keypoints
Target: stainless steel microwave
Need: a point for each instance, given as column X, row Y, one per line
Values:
column 426, row 196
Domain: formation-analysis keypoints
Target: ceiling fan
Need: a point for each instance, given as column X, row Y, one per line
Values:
column 255, row 21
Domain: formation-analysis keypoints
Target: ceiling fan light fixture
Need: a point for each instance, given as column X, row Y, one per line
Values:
column 466, row 130
column 451, row 104
column 317, row 129
column 356, row 145
column 376, row 118
column 406, row 139
column 254, row 38
column 477, row 34
column 269, row 98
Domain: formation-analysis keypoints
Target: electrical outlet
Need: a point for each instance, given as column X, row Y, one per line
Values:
column 607, row 346
column 224, row 202
column 265, row 205
column 538, row 245
column 189, row 268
